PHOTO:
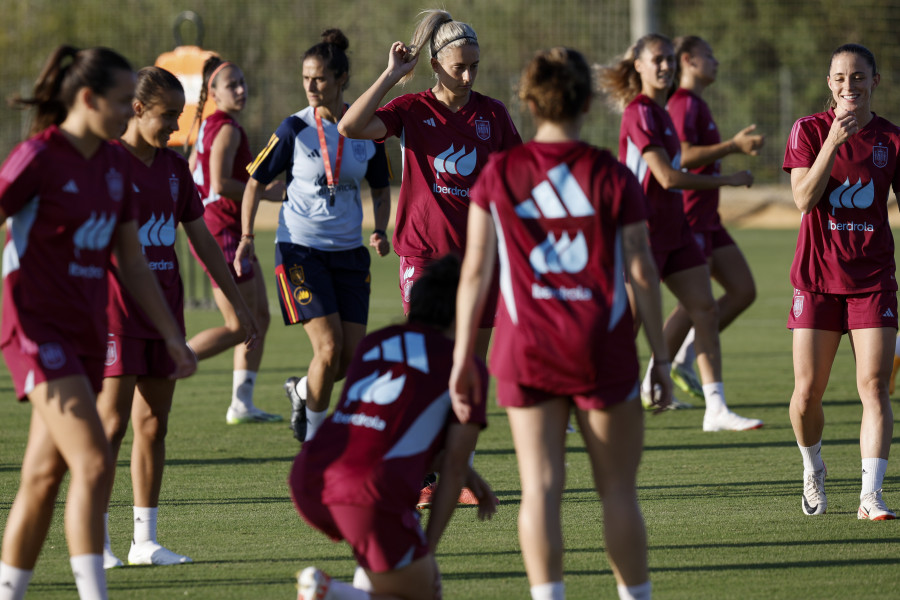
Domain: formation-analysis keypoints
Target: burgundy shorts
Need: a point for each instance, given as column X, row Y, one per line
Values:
column 843, row 312
column 32, row 364
column 712, row 240
column 513, row 395
column 228, row 242
column 137, row 356
column 669, row 262
column 413, row 267
column 381, row 541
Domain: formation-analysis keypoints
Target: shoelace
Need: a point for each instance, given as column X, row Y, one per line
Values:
column 874, row 502
column 814, row 485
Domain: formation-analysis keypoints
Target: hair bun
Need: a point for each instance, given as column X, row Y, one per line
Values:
column 337, row 38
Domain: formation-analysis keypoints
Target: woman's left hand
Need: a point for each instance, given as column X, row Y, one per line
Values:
column 381, row 244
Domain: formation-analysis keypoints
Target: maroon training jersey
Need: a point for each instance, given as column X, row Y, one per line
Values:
column 63, row 210
column 694, row 124
column 164, row 196
column 390, row 423
column 221, row 213
column 845, row 244
column 443, row 153
column 559, row 210
column 645, row 124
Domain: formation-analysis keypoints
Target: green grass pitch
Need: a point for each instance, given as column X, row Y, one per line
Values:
column 722, row 509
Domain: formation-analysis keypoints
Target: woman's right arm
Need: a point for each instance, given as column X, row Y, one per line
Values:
column 253, row 191
column 644, row 279
column 744, row 141
column 672, row 179
column 808, row 184
column 360, row 121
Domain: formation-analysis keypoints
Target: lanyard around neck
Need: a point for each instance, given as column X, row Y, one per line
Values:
column 331, row 177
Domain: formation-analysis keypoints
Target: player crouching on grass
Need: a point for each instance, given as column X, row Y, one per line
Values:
column 358, row 479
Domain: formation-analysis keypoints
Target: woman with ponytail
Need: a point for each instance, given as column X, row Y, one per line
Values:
column 448, row 133
column 321, row 265
column 66, row 195
column 136, row 384
column 638, row 84
column 219, row 163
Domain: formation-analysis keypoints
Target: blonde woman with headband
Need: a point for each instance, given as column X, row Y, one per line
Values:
column 219, row 162
column 448, row 132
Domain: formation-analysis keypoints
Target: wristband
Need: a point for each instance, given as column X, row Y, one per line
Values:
column 380, row 232
column 247, row 236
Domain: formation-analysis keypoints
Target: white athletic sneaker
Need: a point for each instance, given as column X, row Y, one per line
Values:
column 295, row 388
column 726, row 420
column 254, row 415
column 814, row 501
column 110, row 560
column 873, row 508
column 312, row 584
column 151, row 553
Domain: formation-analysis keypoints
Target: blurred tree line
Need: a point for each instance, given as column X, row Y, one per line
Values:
column 774, row 55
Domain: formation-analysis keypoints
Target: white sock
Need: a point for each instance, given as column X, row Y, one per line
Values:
column 361, row 580
column 686, row 355
column 313, row 420
column 242, row 385
column 340, row 590
column 13, row 582
column 106, row 543
column 555, row 590
column 714, row 394
column 873, row 470
column 645, row 384
column 90, row 578
column 635, row 592
column 145, row 524
column 812, row 456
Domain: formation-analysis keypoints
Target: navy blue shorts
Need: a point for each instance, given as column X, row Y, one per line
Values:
column 313, row 283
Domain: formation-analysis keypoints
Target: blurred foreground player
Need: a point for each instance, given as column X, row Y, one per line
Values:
column 358, row 479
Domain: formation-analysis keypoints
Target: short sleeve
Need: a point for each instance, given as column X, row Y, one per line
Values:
column 641, row 127
column 20, row 176
column 378, row 173
column 684, row 111
column 278, row 154
column 390, row 116
column 800, row 150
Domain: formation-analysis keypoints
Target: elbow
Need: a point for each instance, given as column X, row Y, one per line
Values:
column 346, row 129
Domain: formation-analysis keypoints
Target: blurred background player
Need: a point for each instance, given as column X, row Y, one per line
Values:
column 321, row 266
column 358, row 479
column 66, row 198
column 638, row 84
column 568, row 221
column 447, row 132
column 137, row 379
column 701, row 152
column 843, row 162
column 219, row 161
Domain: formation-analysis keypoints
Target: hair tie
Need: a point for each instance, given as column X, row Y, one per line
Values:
column 226, row 63
column 456, row 39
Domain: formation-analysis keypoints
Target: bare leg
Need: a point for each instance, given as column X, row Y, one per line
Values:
column 539, row 436
column 692, row 289
column 874, row 352
column 614, row 439
column 814, row 351
column 150, row 417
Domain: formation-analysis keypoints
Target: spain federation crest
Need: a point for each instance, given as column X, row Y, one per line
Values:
column 173, row 187
column 482, row 129
column 297, row 275
column 798, row 306
column 880, row 156
column 112, row 353
column 115, row 184
column 359, row 150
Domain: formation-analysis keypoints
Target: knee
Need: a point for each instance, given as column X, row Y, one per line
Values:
column 263, row 318
column 43, row 480
column 705, row 313
column 152, row 428
column 93, row 468
column 329, row 353
column 115, row 425
column 806, row 399
column 746, row 294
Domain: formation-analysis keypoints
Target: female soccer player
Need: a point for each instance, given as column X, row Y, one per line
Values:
column 358, row 479
column 842, row 163
column 701, row 152
column 447, row 134
column 648, row 144
column 66, row 197
column 136, row 379
column 568, row 221
column 322, row 268
column 219, row 162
